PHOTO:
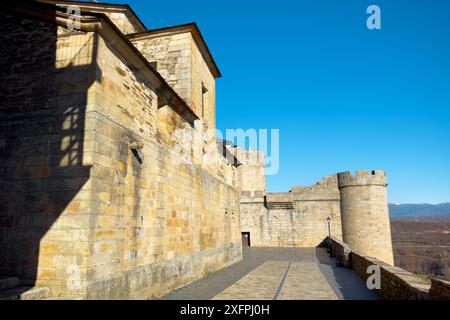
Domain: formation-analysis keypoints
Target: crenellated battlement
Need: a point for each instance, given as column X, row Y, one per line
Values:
column 327, row 182
column 252, row 169
column 362, row 178
column 326, row 189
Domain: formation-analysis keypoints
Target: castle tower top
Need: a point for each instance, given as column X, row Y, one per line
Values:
column 362, row 178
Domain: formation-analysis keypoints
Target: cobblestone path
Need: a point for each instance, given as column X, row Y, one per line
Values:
column 279, row 274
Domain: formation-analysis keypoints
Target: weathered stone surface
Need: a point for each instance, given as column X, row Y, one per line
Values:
column 357, row 208
column 109, row 187
column 84, row 214
column 293, row 273
column 395, row 283
column 339, row 250
column 260, row 284
column 292, row 219
column 43, row 173
column 305, row 281
column 365, row 214
column 178, row 58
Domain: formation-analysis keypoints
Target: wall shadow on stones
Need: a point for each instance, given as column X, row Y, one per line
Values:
column 42, row 141
column 344, row 281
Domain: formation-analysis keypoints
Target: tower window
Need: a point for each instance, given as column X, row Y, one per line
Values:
column 204, row 92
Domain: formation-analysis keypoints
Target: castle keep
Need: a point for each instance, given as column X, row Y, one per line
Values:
column 107, row 188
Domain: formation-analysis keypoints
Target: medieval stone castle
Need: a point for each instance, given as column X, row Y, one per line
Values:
column 92, row 203
column 356, row 207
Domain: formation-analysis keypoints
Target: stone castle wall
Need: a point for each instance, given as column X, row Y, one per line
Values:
column 254, row 215
column 254, row 218
column 180, row 61
column 172, row 54
column 365, row 213
column 204, row 102
column 252, row 172
column 356, row 206
column 315, row 204
column 179, row 221
column 85, row 214
column 293, row 219
column 46, row 160
column 122, row 21
column 81, row 212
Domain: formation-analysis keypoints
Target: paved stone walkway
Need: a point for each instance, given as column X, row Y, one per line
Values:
column 279, row 274
column 260, row 284
column 305, row 281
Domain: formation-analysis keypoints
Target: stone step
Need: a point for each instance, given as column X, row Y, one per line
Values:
column 9, row 283
column 280, row 205
column 25, row 293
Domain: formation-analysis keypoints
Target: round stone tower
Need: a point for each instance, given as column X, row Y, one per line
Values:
column 365, row 215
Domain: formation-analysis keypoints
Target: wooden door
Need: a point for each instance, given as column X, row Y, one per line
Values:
column 245, row 239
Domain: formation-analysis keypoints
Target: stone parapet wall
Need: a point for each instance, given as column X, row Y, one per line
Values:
column 339, row 250
column 326, row 189
column 396, row 283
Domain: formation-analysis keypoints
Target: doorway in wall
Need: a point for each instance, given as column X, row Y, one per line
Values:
column 245, row 239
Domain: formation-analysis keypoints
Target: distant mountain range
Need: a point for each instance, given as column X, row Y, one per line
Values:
column 398, row 211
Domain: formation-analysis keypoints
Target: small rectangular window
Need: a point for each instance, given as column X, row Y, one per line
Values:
column 204, row 93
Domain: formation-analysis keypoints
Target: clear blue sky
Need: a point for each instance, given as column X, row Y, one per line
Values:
column 343, row 97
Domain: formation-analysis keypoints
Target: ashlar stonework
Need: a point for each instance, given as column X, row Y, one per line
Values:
column 109, row 186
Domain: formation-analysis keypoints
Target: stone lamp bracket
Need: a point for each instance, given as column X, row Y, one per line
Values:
column 134, row 145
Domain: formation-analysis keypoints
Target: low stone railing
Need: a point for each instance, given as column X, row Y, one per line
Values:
column 341, row 252
column 396, row 283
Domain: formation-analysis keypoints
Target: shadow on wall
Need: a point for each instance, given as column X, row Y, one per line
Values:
column 345, row 282
column 43, row 101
